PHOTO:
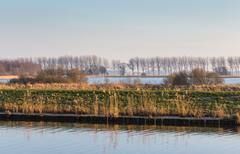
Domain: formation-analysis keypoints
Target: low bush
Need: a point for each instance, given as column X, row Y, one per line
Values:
column 53, row 76
column 195, row 77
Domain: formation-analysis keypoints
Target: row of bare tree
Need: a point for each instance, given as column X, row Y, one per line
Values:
column 18, row 67
column 169, row 65
column 135, row 66
column 87, row 64
column 30, row 66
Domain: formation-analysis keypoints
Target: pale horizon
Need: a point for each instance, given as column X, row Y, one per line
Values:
column 120, row 29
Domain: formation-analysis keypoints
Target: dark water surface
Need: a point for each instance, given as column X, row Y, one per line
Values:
column 61, row 138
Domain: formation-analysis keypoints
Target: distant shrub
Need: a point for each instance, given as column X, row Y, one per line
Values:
column 60, row 76
column 195, row 77
column 198, row 76
column 54, row 76
column 180, row 78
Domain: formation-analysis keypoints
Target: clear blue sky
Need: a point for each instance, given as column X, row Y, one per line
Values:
column 119, row 28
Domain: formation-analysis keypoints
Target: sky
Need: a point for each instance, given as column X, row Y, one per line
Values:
column 119, row 29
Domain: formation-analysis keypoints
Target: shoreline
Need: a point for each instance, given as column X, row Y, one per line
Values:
column 122, row 120
column 148, row 76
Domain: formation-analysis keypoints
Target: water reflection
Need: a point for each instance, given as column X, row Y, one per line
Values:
column 43, row 137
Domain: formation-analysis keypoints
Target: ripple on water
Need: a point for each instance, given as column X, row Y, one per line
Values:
column 43, row 137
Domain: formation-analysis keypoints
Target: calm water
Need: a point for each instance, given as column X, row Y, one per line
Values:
column 145, row 80
column 4, row 80
column 61, row 138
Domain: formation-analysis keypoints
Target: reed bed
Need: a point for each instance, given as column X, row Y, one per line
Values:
column 120, row 86
column 122, row 102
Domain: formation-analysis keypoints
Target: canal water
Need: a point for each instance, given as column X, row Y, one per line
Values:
column 143, row 80
column 132, row 80
column 4, row 80
column 75, row 138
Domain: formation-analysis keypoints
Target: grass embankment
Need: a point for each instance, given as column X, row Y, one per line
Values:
column 120, row 102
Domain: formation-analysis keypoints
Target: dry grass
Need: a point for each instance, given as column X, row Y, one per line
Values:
column 86, row 86
column 8, row 77
column 238, row 118
column 120, row 99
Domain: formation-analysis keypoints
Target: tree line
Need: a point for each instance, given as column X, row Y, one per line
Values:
column 18, row 67
column 31, row 66
column 170, row 65
column 134, row 66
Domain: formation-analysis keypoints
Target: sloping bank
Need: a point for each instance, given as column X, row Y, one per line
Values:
column 117, row 106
